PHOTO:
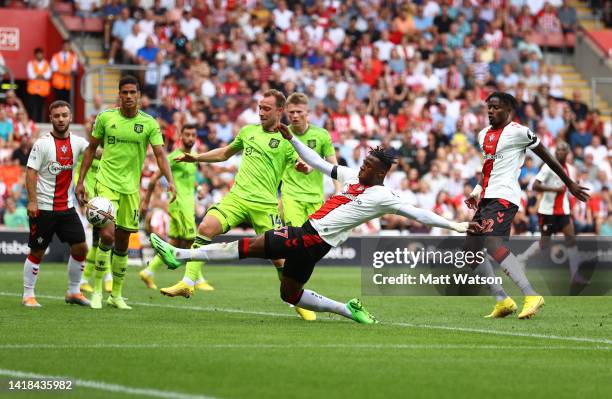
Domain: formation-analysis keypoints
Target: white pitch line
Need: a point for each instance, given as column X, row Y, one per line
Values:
column 103, row 386
column 397, row 324
column 303, row 346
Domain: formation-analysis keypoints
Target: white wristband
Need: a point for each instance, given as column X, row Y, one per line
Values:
column 476, row 191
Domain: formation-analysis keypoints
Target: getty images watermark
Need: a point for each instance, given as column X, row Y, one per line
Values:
column 425, row 265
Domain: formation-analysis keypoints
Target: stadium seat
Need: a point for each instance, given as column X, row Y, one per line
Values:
column 63, row 8
column 78, row 24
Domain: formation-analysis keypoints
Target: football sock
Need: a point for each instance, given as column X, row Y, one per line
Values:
column 533, row 248
column 75, row 272
column 119, row 268
column 154, row 265
column 90, row 264
column 486, row 270
column 103, row 255
column 511, row 267
column 574, row 260
column 220, row 251
column 200, row 278
column 194, row 269
column 30, row 274
column 318, row 303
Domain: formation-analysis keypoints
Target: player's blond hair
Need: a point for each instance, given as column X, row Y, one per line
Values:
column 297, row 99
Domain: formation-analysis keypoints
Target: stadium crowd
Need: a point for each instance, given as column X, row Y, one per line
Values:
column 413, row 75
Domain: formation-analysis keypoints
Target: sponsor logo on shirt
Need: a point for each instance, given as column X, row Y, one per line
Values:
column 493, row 156
column 55, row 168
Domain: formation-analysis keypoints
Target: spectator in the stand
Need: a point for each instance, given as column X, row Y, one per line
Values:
column 548, row 22
column 568, row 18
column 224, row 128
column 86, row 8
column 580, row 137
column 132, row 43
column 122, row 27
column 249, row 115
column 156, row 72
column 553, row 118
column 39, row 84
column 15, row 216
column 594, row 123
column 111, row 12
column 147, row 54
column 21, row 153
column 24, row 127
column 6, row 130
column 598, row 150
column 147, row 24
column 578, row 107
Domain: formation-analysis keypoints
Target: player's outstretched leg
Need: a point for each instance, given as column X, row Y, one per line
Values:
column 292, row 292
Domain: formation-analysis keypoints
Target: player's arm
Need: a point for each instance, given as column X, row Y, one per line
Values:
column 432, row 219
column 306, row 153
column 164, row 168
column 577, row 190
column 144, row 206
column 334, row 161
column 31, row 179
column 88, row 156
column 217, row 155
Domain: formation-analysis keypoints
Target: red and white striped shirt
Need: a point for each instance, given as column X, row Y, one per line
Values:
column 55, row 160
column 504, row 153
column 554, row 203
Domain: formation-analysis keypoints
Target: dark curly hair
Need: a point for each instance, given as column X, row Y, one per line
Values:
column 384, row 156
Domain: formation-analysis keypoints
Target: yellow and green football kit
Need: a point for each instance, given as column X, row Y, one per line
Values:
column 302, row 195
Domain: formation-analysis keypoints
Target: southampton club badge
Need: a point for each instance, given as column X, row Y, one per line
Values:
column 274, row 143
column 312, row 143
column 138, row 128
column 64, row 149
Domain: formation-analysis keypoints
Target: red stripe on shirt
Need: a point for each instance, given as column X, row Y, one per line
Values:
column 559, row 199
column 489, row 146
column 338, row 200
column 63, row 155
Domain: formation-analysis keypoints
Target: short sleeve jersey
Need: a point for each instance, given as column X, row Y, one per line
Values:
column 554, row 203
column 265, row 156
column 125, row 147
column 184, row 174
column 55, row 160
column 308, row 188
column 504, row 153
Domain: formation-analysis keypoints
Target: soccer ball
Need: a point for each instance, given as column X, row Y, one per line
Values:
column 100, row 212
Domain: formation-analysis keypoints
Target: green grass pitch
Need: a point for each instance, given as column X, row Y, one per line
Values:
column 241, row 341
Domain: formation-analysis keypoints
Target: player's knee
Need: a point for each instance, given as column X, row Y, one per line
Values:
column 288, row 294
column 37, row 253
column 107, row 236
column 79, row 251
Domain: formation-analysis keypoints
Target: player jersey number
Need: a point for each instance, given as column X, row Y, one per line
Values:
column 275, row 220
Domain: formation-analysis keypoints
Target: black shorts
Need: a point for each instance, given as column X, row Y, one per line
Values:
column 552, row 224
column 66, row 224
column 301, row 247
column 495, row 217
